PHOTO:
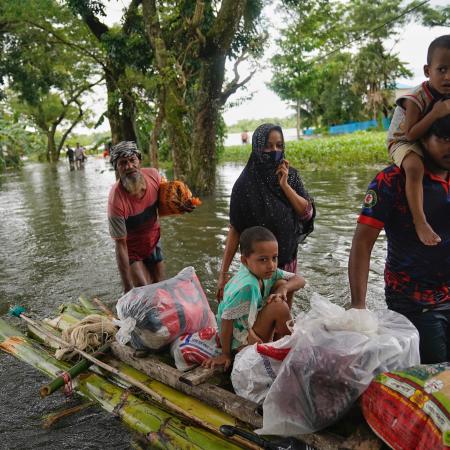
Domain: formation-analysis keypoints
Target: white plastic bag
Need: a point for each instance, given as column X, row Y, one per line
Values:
column 256, row 367
column 155, row 315
column 335, row 356
column 192, row 349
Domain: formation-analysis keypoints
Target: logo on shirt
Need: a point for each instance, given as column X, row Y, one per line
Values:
column 370, row 200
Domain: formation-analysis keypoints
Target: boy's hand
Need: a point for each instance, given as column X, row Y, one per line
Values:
column 441, row 108
column 221, row 360
column 278, row 297
column 253, row 338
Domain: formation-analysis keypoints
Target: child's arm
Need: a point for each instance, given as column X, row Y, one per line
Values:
column 416, row 127
column 226, row 336
column 283, row 287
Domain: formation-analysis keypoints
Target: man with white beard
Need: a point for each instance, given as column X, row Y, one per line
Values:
column 133, row 218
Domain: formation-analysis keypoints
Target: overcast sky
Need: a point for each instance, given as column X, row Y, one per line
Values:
column 411, row 47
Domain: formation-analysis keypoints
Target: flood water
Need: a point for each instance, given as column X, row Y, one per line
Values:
column 55, row 246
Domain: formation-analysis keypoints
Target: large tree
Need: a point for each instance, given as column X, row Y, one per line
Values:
column 192, row 41
column 47, row 77
column 313, row 70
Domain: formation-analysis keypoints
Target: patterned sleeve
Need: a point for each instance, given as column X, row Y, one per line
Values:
column 240, row 303
column 379, row 198
column 283, row 275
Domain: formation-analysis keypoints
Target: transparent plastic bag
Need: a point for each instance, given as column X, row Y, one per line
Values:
column 256, row 367
column 334, row 358
column 163, row 311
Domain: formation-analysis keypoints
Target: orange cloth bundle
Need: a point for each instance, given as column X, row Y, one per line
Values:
column 175, row 198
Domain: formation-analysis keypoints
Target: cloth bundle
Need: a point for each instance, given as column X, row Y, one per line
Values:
column 153, row 316
column 174, row 197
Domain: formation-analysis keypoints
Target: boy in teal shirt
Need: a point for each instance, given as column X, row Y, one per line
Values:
column 254, row 307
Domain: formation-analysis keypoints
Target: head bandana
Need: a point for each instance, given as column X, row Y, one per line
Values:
column 124, row 148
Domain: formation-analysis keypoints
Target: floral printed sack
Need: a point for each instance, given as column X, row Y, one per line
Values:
column 410, row 409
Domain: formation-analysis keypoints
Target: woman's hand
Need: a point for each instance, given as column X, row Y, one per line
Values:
column 282, row 172
column 221, row 282
column 221, row 360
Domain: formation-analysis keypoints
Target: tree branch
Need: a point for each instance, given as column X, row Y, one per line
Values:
column 235, row 84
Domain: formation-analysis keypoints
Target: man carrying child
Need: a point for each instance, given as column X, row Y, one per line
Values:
column 417, row 277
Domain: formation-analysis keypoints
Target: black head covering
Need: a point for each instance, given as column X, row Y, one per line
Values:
column 257, row 198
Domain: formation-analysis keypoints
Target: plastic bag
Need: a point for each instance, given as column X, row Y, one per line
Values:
column 192, row 349
column 155, row 315
column 334, row 358
column 256, row 367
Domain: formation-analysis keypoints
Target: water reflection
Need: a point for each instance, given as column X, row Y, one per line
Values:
column 56, row 246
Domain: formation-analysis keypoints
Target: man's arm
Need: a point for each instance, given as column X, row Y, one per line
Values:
column 359, row 262
column 123, row 264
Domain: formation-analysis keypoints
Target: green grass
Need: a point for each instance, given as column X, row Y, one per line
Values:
column 349, row 150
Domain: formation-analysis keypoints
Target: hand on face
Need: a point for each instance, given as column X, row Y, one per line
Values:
column 283, row 172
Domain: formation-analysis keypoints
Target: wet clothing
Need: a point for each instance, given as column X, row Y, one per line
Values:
column 258, row 200
column 417, row 277
column 79, row 153
column 424, row 97
column 155, row 257
column 136, row 220
column 243, row 299
column 70, row 154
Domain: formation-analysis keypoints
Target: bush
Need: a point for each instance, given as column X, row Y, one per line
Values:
column 347, row 150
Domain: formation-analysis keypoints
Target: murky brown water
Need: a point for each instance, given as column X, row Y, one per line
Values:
column 55, row 246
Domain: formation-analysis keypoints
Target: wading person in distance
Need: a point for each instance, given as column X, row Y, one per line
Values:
column 133, row 218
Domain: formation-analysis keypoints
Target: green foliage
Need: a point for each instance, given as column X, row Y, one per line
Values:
column 349, row 150
column 17, row 140
column 252, row 124
column 334, row 86
column 45, row 67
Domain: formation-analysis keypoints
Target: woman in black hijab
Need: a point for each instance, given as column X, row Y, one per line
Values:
column 271, row 194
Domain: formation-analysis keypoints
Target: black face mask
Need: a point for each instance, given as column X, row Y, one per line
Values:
column 273, row 156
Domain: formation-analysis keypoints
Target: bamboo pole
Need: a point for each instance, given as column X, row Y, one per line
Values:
column 73, row 372
column 134, row 380
column 88, row 306
column 163, row 430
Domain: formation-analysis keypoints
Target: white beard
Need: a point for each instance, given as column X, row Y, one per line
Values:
column 133, row 184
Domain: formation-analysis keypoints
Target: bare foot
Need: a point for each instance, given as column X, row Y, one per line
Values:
column 426, row 234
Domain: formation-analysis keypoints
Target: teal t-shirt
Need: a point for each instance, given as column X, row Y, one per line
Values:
column 243, row 299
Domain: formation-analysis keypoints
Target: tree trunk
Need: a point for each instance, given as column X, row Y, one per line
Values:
column 52, row 154
column 298, row 121
column 206, row 114
column 175, row 113
column 128, row 117
column 153, row 148
column 113, row 113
